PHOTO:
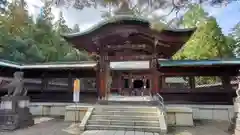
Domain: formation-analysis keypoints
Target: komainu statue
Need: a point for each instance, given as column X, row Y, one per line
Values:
column 16, row 87
column 14, row 110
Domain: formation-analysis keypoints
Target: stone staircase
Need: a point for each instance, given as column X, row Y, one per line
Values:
column 122, row 117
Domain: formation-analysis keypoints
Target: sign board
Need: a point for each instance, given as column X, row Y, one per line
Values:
column 76, row 90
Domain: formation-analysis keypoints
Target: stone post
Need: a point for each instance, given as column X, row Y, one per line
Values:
column 237, row 112
column 235, row 121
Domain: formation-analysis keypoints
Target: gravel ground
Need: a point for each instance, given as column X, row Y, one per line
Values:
column 56, row 126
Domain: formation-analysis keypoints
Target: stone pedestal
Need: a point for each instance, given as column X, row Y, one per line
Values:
column 236, row 122
column 14, row 113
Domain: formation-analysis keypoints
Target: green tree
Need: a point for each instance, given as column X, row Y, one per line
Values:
column 144, row 4
column 47, row 15
column 61, row 24
column 232, row 43
column 139, row 7
column 207, row 42
column 194, row 16
column 22, row 40
column 235, row 35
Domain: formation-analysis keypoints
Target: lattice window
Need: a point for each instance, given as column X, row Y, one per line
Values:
column 208, row 81
column 57, row 84
column 175, row 82
column 88, row 84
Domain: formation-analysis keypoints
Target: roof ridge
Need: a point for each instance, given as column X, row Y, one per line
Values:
column 117, row 18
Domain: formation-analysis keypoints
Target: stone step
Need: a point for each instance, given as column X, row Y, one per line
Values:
column 127, row 128
column 126, row 108
column 124, row 122
column 124, row 117
column 125, row 112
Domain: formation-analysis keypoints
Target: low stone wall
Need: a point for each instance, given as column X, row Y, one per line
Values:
column 51, row 109
column 48, row 109
column 210, row 112
column 207, row 112
column 180, row 116
column 75, row 112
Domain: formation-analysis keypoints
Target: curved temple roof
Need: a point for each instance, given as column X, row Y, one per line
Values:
column 113, row 31
column 121, row 18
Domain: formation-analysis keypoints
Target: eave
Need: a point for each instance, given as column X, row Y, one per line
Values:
column 104, row 32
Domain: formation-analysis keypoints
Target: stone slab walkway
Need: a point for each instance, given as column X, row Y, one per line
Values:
column 49, row 126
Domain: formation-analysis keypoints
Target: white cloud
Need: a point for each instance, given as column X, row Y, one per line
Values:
column 85, row 18
column 213, row 11
column 35, row 3
column 34, row 7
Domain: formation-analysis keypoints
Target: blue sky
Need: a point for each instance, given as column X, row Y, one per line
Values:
column 227, row 17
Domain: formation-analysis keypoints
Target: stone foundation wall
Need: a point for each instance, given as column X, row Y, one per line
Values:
column 207, row 112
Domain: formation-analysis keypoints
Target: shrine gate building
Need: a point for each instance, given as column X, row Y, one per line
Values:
column 129, row 39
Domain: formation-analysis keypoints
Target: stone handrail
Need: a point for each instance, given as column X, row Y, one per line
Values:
column 85, row 118
column 160, row 97
column 161, row 102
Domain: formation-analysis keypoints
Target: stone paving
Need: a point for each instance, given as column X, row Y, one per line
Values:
column 49, row 126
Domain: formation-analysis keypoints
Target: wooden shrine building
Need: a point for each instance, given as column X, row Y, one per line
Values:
column 129, row 39
column 135, row 60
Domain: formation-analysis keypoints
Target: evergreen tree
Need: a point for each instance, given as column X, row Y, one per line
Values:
column 207, row 42
column 47, row 15
column 61, row 24
column 22, row 40
column 235, row 35
column 194, row 16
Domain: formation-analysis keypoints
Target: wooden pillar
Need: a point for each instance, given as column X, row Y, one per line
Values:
column 102, row 78
column 192, row 82
column 130, row 81
column 98, row 79
column 70, row 82
column 99, row 70
column 44, row 82
column 154, row 71
column 101, row 82
column 103, row 72
column 155, row 78
column 108, row 77
column 226, row 82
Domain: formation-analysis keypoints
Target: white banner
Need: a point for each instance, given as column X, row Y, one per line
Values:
column 76, row 91
column 76, row 96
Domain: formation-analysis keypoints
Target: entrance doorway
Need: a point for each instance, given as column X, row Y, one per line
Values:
column 138, row 84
